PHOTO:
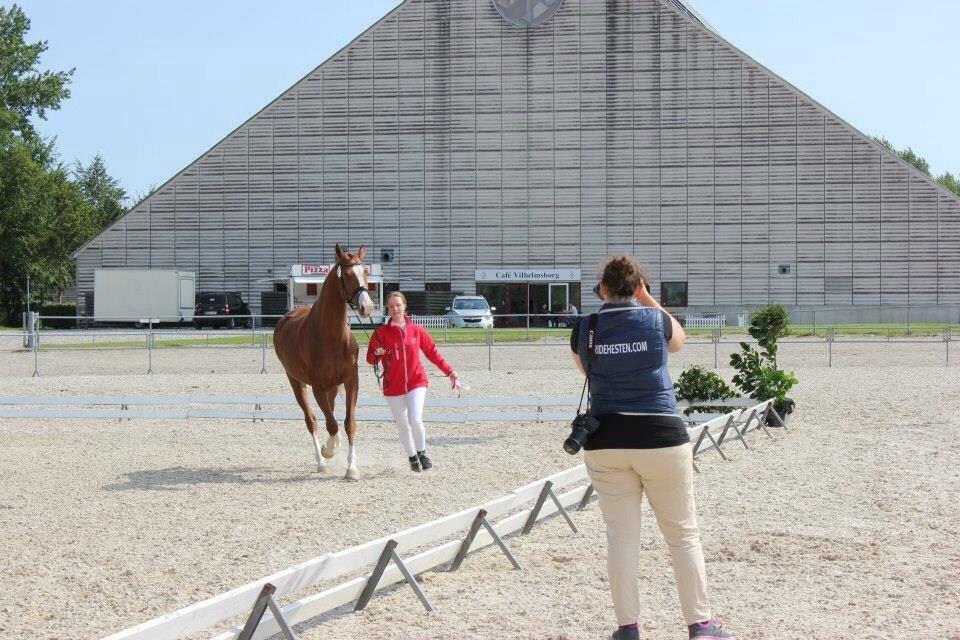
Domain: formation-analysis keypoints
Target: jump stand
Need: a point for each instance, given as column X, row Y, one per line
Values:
column 547, row 492
column 481, row 521
column 264, row 600
column 390, row 552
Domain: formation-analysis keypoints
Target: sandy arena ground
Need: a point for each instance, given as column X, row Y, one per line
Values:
column 845, row 527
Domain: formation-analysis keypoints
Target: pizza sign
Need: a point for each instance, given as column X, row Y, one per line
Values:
column 314, row 269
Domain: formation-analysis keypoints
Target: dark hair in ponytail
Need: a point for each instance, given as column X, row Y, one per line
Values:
column 622, row 275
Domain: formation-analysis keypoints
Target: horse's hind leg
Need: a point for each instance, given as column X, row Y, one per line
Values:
column 300, row 393
column 326, row 399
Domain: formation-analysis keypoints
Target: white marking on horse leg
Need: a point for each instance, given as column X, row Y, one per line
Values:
column 352, row 473
column 321, row 465
column 329, row 450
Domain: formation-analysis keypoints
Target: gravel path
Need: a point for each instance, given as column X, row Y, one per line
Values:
column 845, row 527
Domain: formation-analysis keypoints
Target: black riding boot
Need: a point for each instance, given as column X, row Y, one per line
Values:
column 425, row 462
column 414, row 463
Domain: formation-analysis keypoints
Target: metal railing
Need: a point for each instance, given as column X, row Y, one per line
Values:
column 515, row 330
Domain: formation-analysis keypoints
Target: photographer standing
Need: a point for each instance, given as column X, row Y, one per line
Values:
column 640, row 444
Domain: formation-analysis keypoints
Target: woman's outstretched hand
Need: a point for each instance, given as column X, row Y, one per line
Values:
column 457, row 385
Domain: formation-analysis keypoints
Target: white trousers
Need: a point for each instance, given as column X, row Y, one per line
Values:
column 408, row 412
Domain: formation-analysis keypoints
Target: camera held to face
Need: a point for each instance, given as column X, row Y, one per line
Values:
column 581, row 429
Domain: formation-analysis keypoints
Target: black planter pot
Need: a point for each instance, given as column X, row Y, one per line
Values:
column 783, row 408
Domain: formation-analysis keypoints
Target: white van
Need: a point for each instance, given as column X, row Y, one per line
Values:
column 470, row 311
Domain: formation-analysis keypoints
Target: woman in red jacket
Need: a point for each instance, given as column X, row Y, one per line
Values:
column 396, row 345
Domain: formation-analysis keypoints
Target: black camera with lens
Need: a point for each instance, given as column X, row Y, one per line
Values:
column 581, row 429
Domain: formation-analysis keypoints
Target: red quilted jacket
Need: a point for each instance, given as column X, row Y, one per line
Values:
column 401, row 363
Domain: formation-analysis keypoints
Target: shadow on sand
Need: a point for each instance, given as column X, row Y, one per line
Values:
column 444, row 441
column 177, row 478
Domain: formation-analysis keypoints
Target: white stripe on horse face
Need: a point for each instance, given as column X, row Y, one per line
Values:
column 364, row 302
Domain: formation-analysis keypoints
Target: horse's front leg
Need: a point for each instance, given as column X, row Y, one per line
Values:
column 351, row 387
column 326, row 399
column 300, row 393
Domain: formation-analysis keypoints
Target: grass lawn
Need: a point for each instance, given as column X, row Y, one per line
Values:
column 893, row 330
column 463, row 336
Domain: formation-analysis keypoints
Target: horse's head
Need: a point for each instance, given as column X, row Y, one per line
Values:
column 353, row 280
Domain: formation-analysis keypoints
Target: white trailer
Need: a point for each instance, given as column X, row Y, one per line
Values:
column 305, row 282
column 143, row 295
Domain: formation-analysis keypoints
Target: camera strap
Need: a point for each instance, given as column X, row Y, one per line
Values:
column 591, row 356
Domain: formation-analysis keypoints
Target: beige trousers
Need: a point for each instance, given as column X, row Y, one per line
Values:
column 620, row 477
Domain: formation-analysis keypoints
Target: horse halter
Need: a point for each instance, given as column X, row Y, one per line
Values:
column 352, row 300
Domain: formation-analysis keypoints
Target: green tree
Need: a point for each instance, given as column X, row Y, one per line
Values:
column 100, row 190
column 26, row 91
column 947, row 179
column 43, row 214
column 950, row 182
column 42, row 218
column 140, row 196
column 907, row 155
column 917, row 161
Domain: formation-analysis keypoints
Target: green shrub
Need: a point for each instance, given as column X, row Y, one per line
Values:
column 64, row 309
column 697, row 384
column 758, row 375
column 769, row 322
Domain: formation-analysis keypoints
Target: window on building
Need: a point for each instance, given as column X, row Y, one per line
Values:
column 436, row 286
column 311, row 288
column 673, row 294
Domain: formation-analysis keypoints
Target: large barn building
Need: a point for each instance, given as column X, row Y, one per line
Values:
column 506, row 147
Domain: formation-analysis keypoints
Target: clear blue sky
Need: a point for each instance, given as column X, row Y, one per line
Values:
column 159, row 83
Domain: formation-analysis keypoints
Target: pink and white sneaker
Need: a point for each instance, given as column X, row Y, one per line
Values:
column 709, row 630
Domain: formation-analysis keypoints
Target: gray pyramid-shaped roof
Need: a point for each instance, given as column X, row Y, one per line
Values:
column 619, row 125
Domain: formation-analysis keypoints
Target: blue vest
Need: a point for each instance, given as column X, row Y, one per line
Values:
column 629, row 371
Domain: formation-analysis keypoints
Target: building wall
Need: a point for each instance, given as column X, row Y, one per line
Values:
column 463, row 141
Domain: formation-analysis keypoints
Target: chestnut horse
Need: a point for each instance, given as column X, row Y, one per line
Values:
column 316, row 348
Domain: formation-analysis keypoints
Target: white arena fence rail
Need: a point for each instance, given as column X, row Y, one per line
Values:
column 177, row 407
column 461, row 410
column 506, row 515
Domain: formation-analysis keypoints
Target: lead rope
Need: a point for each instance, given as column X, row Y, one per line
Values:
column 378, row 371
